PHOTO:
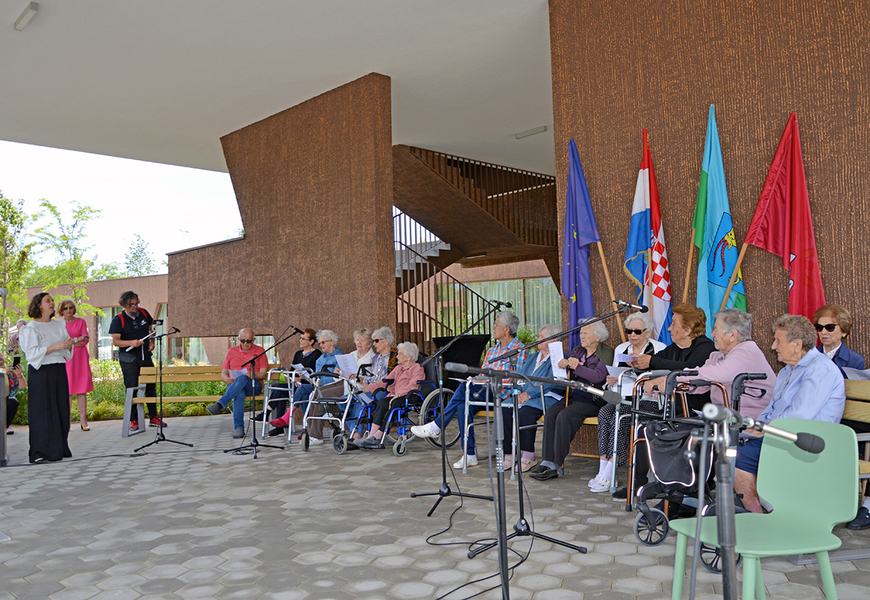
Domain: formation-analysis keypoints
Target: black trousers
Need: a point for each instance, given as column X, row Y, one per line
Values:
column 48, row 412
column 130, row 370
column 387, row 403
column 562, row 422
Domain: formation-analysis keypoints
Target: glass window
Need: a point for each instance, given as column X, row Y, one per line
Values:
column 105, row 350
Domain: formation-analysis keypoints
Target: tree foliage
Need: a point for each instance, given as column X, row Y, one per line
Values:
column 140, row 261
column 15, row 252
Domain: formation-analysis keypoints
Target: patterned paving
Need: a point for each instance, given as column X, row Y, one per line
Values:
column 200, row 523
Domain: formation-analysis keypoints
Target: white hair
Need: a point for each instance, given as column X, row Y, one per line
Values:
column 328, row 334
column 385, row 333
column 599, row 330
column 410, row 350
column 645, row 318
column 509, row 320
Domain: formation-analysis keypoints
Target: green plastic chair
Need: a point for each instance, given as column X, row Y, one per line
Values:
column 810, row 493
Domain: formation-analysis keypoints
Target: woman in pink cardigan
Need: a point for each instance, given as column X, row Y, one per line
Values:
column 405, row 377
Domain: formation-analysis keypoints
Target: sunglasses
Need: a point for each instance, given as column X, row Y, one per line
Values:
column 634, row 331
column 246, row 341
column 829, row 327
column 376, row 341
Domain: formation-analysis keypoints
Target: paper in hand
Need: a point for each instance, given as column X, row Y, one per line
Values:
column 557, row 354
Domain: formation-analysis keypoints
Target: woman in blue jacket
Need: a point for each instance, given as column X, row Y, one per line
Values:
column 833, row 324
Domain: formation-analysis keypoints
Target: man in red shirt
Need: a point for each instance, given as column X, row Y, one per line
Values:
column 240, row 378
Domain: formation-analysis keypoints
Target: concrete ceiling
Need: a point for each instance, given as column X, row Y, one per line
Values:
column 163, row 81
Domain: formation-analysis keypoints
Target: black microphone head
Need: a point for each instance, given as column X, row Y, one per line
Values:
column 612, row 397
column 810, row 443
column 508, row 305
column 644, row 309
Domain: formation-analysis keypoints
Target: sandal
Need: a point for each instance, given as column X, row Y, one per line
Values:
column 508, row 461
column 526, row 464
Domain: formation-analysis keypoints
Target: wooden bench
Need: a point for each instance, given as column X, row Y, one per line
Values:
column 135, row 396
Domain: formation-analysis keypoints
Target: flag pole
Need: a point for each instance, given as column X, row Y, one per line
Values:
column 734, row 275
column 689, row 268
column 610, row 286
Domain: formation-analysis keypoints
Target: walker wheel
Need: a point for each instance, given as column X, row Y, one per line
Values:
column 339, row 444
column 711, row 556
column 652, row 534
column 399, row 448
column 304, row 441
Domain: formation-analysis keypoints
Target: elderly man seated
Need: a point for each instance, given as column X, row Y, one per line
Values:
column 242, row 380
column 808, row 387
column 504, row 331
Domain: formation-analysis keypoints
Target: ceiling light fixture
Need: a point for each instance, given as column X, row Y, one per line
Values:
column 529, row 132
column 29, row 13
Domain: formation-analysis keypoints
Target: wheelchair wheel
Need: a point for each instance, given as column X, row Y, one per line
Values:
column 304, row 441
column 399, row 448
column 339, row 444
column 652, row 534
column 711, row 557
column 431, row 411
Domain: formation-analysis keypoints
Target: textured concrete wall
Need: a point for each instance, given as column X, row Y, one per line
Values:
column 620, row 66
column 314, row 186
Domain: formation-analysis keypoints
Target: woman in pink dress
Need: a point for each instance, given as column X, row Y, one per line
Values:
column 78, row 370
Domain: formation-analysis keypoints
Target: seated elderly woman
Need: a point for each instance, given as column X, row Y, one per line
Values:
column 833, row 324
column 383, row 360
column 531, row 397
column 563, row 420
column 810, row 386
column 639, row 327
column 327, row 340
column 735, row 354
column 404, row 382
column 362, row 339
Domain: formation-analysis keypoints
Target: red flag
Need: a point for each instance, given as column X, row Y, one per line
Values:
column 782, row 224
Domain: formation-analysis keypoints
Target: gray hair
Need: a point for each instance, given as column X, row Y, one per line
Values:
column 509, row 320
column 385, row 333
column 599, row 330
column 732, row 319
column 797, row 327
column 547, row 330
column 645, row 318
column 328, row 334
column 363, row 333
column 410, row 350
column 19, row 322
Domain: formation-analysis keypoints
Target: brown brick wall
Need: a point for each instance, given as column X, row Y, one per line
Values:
column 314, row 186
column 619, row 67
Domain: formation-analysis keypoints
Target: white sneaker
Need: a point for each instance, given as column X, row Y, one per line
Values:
column 314, row 441
column 466, row 461
column 602, row 485
column 429, row 430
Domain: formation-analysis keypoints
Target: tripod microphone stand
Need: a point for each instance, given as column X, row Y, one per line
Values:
column 444, row 491
column 255, row 443
column 160, row 437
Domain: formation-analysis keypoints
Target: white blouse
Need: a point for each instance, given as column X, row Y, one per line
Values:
column 36, row 337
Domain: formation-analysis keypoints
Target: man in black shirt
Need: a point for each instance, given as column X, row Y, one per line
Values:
column 127, row 330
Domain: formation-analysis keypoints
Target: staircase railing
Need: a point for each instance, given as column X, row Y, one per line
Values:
column 524, row 201
column 432, row 303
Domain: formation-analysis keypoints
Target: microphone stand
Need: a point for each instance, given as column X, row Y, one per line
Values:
column 444, row 491
column 160, row 437
column 254, row 442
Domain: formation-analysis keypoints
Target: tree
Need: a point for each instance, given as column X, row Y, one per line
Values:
column 139, row 260
column 66, row 241
column 15, row 253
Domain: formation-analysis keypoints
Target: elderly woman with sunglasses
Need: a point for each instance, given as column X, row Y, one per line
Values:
column 78, row 370
column 833, row 324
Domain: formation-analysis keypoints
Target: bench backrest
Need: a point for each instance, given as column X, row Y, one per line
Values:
column 857, row 400
column 185, row 374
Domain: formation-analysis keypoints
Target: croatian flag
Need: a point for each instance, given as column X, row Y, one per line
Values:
column 646, row 260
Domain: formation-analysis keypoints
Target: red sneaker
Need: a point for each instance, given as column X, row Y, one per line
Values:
column 155, row 422
column 134, row 425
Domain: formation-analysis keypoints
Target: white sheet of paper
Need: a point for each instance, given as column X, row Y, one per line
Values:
column 298, row 366
column 626, row 358
column 616, row 371
column 235, row 374
column 557, row 353
column 347, row 364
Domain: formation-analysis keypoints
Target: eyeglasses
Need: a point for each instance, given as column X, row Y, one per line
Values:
column 246, row 341
column 634, row 331
column 828, row 327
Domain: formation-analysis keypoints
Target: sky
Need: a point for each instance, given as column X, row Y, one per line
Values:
column 170, row 207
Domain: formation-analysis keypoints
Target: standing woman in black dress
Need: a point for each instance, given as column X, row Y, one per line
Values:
column 47, row 346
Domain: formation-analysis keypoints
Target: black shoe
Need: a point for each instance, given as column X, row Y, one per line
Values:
column 370, row 443
column 277, row 431
column 538, row 469
column 621, row 493
column 862, row 521
column 545, row 475
column 258, row 417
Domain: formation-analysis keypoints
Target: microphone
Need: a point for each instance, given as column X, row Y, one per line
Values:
column 500, row 303
column 807, row 442
column 297, row 330
column 175, row 330
column 639, row 307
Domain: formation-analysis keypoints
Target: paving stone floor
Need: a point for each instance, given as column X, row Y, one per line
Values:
column 174, row 522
